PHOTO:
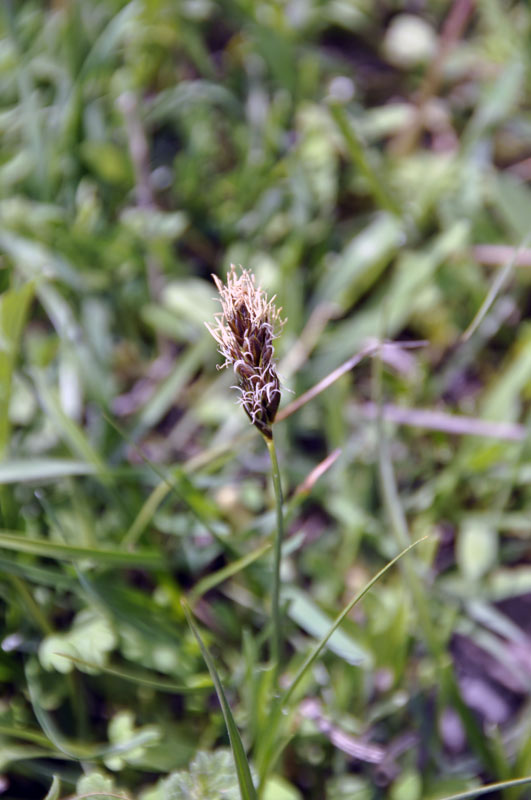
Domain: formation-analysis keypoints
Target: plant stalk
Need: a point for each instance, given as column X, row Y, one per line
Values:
column 276, row 634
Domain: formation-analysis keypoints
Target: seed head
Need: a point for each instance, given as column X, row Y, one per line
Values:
column 244, row 331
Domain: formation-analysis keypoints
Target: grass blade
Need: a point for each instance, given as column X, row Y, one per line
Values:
column 499, row 282
column 181, row 485
column 269, row 749
column 215, row 578
column 245, row 780
column 359, row 157
column 71, row 433
column 140, row 678
column 14, row 305
column 71, row 749
column 490, row 787
column 147, row 559
column 146, row 513
column 55, row 788
column 23, row 470
column 339, row 619
column 37, row 574
column 399, row 527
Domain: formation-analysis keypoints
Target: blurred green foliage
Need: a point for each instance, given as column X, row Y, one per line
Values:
column 367, row 160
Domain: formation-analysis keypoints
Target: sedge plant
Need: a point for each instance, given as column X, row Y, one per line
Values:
column 244, row 330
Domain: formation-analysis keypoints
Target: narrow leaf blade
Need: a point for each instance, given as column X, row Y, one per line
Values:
column 245, row 780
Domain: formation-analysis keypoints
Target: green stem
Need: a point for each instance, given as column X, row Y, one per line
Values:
column 276, row 636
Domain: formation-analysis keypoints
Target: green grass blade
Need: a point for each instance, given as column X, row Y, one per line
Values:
column 214, row 579
column 67, row 428
column 165, row 395
column 55, row 788
column 23, row 470
column 178, row 482
column 26, row 735
column 146, row 513
column 37, row 574
column 358, row 154
column 488, row 788
column 245, row 780
column 74, row 749
column 141, row 678
column 14, row 306
column 498, row 284
column 269, row 750
column 147, row 559
column 317, row 650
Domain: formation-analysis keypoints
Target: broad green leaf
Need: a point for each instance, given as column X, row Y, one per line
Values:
column 96, row 784
column 477, row 548
column 211, row 776
column 279, row 789
column 408, row 786
column 90, row 637
column 121, row 731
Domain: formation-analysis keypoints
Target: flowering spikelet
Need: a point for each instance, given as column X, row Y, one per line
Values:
column 244, row 331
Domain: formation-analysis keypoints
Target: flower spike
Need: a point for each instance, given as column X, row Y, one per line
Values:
column 244, row 331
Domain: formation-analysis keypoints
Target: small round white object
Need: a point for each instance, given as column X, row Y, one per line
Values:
column 409, row 41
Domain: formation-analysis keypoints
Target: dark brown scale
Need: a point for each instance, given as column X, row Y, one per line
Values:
column 267, row 354
column 245, row 371
column 234, row 325
column 255, row 348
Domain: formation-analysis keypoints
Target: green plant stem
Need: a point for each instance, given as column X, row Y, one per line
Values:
column 276, row 635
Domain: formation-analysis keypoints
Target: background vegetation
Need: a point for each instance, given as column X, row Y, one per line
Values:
column 368, row 160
